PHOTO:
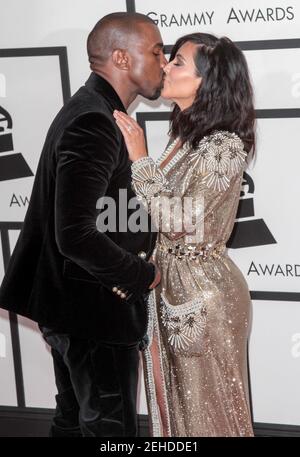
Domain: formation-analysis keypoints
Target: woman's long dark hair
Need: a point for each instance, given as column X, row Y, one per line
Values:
column 224, row 100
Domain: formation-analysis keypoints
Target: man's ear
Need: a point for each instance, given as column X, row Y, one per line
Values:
column 121, row 59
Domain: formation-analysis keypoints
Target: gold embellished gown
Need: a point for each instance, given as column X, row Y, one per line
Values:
column 196, row 361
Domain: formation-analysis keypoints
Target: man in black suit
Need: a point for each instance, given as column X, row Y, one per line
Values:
column 87, row 288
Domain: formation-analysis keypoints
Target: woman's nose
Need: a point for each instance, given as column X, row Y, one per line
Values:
column 166, row 68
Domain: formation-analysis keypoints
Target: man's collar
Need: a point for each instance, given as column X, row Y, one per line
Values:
column 102, row 86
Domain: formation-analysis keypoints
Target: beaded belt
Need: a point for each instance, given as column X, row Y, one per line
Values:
column 194, row 252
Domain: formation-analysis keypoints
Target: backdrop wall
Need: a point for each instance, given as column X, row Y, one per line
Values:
column 43, row 60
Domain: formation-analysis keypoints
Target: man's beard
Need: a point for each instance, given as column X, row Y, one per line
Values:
column 157, row 92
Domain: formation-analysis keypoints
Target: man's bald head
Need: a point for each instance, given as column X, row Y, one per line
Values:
column 113, row 32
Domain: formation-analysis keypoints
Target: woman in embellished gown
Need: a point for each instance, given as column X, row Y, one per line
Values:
column 196, row 360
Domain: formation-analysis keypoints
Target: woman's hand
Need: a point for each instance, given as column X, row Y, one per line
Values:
column 157, row 279
column 133, row 135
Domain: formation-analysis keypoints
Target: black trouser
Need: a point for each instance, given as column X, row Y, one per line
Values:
column 97, row 387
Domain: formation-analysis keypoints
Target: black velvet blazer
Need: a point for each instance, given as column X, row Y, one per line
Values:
column 63, row 270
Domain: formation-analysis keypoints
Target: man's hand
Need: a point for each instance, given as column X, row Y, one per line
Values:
column 157, row 278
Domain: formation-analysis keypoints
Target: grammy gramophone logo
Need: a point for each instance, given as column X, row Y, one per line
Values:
column 251, row 231
column 13, row 165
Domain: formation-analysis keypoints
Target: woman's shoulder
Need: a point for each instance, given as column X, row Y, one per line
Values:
column 221, row 138
column 220, row 150
column 219, row 155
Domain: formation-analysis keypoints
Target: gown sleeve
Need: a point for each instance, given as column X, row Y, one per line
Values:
column 214, row 166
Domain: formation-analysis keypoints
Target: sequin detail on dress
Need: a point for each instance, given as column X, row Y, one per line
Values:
column 184, row 323
column 219, row 156
column 147, row 178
